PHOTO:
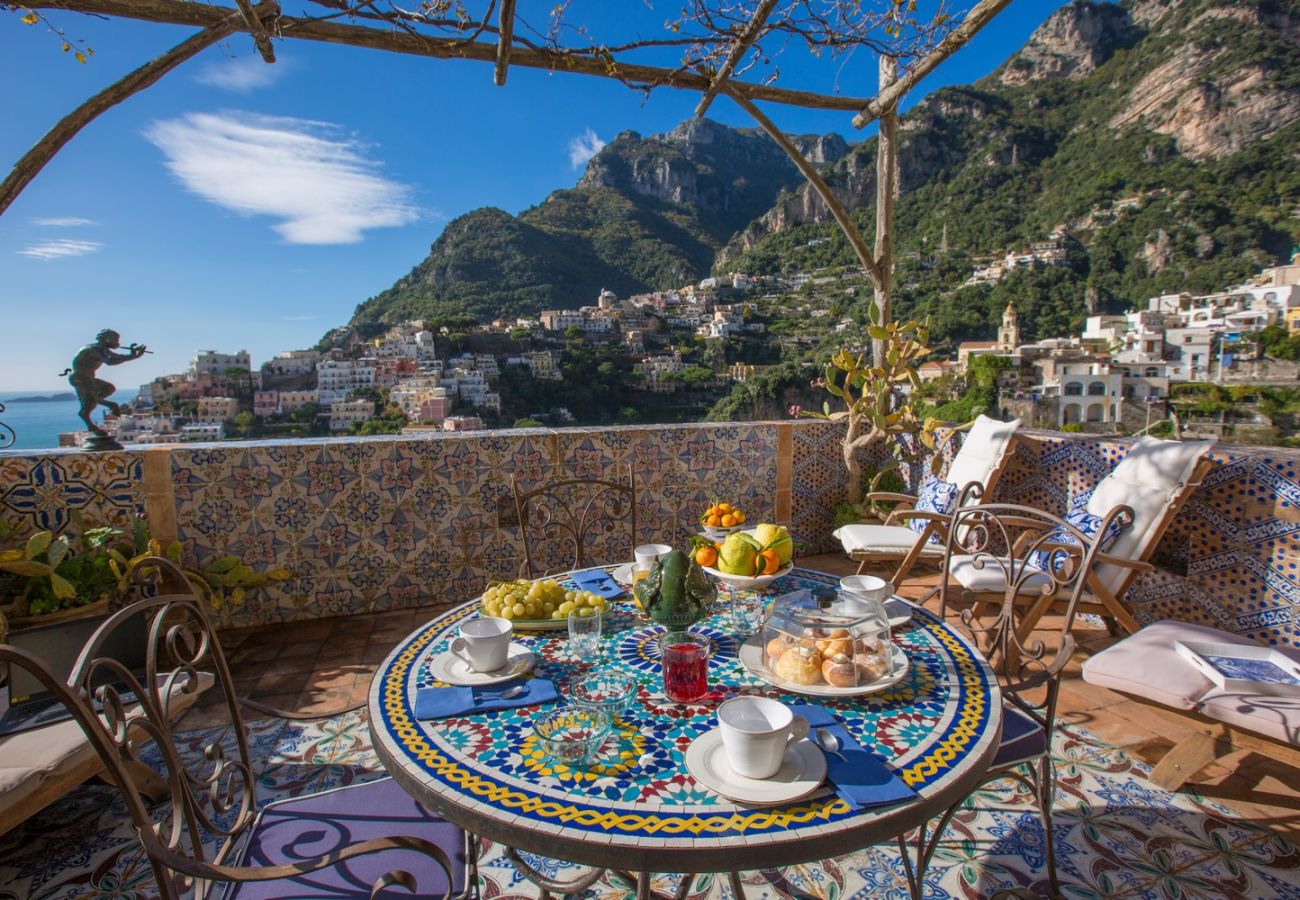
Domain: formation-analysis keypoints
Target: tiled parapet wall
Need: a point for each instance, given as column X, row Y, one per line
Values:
column 377, row 523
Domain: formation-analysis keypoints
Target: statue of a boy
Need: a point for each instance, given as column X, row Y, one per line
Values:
column 93, row 392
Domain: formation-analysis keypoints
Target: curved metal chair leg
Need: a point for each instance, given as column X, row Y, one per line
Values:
column 550, row 885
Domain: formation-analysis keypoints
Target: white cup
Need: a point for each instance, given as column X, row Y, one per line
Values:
column 646, row 554
column 865, row 587
column 756, row 732
column 484, row 643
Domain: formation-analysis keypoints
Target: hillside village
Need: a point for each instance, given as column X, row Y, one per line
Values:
column 1118, row 374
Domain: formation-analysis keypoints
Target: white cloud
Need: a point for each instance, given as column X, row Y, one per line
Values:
column 64, row 222
column 48, row 250
column 241, row 74
column 318, row 181
column 584, row 147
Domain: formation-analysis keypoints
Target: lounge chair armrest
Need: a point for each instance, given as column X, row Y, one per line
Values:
column 900, row 515
column 1134, row 564
column 890, row 497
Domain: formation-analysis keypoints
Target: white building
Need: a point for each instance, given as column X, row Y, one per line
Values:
column 561, row 320
column 210, row 362
column 292, row 362
column 1089, row 392
column 337, row 378
column 214, row 431
column 543, row 366
column 344, row 413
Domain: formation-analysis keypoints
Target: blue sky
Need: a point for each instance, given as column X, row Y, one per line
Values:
column 236, row 205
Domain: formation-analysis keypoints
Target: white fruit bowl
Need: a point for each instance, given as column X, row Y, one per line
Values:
column 748, row 583
column 715, row 533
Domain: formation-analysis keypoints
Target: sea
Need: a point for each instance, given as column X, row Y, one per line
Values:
column 37, row 425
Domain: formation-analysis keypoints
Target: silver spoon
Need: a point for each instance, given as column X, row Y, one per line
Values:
column 508, row 693
column 830, row 743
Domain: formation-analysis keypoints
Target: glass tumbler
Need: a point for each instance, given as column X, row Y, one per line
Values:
column 685, row 659
column 584, row 634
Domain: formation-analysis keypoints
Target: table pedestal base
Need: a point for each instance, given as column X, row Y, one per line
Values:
column 640, row 881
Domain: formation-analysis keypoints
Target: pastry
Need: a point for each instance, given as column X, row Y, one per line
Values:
column 839, row 671
column 836, row 642
column 777, row 646
column 803, row 666
column 871, row 666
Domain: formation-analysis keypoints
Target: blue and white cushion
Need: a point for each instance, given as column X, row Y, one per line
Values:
column 936, row 496
column 1088, row 525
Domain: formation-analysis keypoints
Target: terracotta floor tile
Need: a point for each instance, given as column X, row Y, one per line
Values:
column 280, row 683
column 252, row 653
column 298, row 648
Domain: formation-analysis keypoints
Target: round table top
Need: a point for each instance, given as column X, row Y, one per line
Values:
column 636, row 807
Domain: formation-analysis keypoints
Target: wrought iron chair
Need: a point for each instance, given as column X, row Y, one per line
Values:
column 1030, row 554
column 209, row 838
column 573, row 511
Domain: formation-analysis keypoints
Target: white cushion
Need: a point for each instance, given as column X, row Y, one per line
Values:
column 882, row 539
column 1147, row 665
column 981, row 452
column 990, row 576
column 40, row 754
column 1276, row 717
column 1148, row 479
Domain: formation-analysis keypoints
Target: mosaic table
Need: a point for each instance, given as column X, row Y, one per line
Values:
column 637, row 808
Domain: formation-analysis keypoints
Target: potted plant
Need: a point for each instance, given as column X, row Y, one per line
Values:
column 876, row 411
column 61, row 577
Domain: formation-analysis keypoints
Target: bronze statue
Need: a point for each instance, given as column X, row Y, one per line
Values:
column 93, row 392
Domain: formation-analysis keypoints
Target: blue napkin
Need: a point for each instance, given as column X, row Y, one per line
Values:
column 860, row 778
column 444, row 702
column 598, row 581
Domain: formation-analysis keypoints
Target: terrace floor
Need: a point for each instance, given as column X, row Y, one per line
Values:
column 325, row 665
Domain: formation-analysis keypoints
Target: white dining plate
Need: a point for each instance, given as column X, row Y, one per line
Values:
column 751, row 657
column 623, row 574
column 802, row 772
column 449, row 667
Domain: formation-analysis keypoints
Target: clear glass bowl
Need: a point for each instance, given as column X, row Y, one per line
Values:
column 607, row 690
column 571, row 735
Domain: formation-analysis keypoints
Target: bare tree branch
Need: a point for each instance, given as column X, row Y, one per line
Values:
column 261, row 40
column 505, row 38
column 737, row 52
column 67, row 128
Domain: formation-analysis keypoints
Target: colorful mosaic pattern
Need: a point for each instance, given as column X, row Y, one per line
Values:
column 1117, row 836
column 639, row 790
column 381, row 523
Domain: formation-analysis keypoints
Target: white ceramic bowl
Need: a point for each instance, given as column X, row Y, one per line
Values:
column 750, row 583
column 867, row 586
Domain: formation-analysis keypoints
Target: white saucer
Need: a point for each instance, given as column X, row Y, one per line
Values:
column 751, row 657
column 801, row 773
column 899, row 612
column 623, row 574
column 449, row 667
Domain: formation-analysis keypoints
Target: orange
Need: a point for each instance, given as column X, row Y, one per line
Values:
column 713, row 521
column 706, row 556
column 711, row 511
column 724, row 507
column 771, row 562
column 740, row 517
column 728, row 520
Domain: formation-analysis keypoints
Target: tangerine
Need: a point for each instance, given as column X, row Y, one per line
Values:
column 724, row 507
column 728, row 520
column 771, row 562
column 740, row 517
column 713, row 521
column 706, row 556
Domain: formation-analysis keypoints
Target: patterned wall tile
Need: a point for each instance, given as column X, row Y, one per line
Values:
column 40, row 493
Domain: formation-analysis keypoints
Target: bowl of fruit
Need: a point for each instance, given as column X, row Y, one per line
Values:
column 749, row 559
column 541, row 605
column 722, row 519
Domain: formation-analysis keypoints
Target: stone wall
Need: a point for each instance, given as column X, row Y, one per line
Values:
column 378, row 523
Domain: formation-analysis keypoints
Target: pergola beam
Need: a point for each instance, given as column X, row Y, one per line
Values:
column 203, row 15
column 505, row 37
column 261, row 40
column 737, row 52
column 979, row 16
column 132, row 83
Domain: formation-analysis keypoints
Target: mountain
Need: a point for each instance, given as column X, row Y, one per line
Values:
column 1158, row 138
column 648, row 212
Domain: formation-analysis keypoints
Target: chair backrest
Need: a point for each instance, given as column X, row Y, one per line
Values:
column 983, row 454
column 1154, row 479
column 129, row 720
column 1035, row 560
column 576, row 512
